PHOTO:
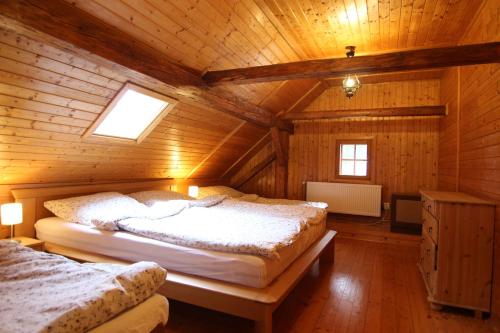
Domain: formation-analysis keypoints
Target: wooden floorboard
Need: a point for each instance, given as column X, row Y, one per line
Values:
column 374, row 229
column 372, row 287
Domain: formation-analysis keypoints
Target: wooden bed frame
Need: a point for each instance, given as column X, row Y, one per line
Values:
column 256, row 304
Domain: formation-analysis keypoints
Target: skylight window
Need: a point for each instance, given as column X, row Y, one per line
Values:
column 132, row 114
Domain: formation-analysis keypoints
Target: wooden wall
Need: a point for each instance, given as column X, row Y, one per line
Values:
column 263, row 183
column 380, row 95
column 405, row 153
column 471, row 135
column 448, row 133
column 406, row 150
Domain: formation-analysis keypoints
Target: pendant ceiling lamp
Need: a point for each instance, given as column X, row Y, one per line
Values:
column 351, row 83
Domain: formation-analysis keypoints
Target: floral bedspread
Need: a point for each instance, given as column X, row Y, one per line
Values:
column 231, row 226
column 287, row 202
column 41, row 292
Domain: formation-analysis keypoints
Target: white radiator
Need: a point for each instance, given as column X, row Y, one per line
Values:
column 355, row 199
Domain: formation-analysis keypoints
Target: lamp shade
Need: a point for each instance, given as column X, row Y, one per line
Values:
column 193, row 191
column 11, row 213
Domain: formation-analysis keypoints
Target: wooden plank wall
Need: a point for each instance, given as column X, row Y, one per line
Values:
column 448, row 138
column 262, row 183
column 475, row 91
column 406, row 151
column 380, row 95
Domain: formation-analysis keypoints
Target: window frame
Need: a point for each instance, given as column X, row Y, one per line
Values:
column 172, row 102
column 369, row 160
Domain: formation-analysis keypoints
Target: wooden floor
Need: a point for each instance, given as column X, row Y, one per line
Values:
column 375, row 229
column 372, row 287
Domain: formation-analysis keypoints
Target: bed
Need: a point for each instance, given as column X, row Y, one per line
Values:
column 243, row 269
column 44, row 292
column 248, row 299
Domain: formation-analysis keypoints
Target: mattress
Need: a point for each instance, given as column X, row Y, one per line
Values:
column 142, row 318
column 248, row 270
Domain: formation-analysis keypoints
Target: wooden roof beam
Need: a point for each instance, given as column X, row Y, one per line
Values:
column 368, row 64
column 65, row 22
column 414, row 111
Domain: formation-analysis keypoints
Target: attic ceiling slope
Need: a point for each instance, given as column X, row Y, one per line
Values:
column 70, row 24
column 49, row 97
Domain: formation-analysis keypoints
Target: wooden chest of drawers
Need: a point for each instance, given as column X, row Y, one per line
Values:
column 456, row 252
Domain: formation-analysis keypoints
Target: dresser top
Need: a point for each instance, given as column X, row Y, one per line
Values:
column 457, row 197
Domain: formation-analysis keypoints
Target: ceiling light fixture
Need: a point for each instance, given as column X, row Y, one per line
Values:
column 351, row 82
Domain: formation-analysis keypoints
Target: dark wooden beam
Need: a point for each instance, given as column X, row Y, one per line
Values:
column 369, row 64
column 254, row 171
column 65, row 22
column 413, row 111
column 281, row 154
column 280, row 142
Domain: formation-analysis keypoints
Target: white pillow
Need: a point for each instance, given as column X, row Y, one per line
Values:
column 219, row 190
column 208, row 201
column 149, row 198
column 101, row 207
column 161, row 209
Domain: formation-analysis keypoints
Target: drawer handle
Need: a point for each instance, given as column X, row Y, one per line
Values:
column 428, row 251
column 430, row 230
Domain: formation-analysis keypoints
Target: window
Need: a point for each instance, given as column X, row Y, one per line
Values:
column 353, row 159
column 132, row 114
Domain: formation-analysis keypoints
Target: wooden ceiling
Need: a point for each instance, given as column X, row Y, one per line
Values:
column 49, row 96
column 217, row 34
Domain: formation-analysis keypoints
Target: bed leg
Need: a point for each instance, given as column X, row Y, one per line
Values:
column 265, row 324
column 328, row 254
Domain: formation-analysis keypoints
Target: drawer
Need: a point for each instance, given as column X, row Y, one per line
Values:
column 428, row 252
column 430, row 226
column 429, row 205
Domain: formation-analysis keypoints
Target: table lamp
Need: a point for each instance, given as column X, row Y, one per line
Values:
column 193, row 191
column 11, row 214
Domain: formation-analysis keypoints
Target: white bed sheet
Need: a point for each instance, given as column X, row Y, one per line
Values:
column 141, row 318
column 248, row 270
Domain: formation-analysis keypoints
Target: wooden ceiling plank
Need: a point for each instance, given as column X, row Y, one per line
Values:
column 311, row 95
column 416, row 17
column 36, row 60
column 190, row 25
column 18, row 68
column 49, row 88
column 244, row 158
column 72, row 25
column 289, row 37
column 414, row 111
column 255, row 170
column 272, row 28
column 215, row 149
column 370, row 64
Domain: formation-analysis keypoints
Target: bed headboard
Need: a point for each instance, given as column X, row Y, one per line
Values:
column 33, row 198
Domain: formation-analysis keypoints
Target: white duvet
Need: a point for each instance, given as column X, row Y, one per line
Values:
column 231, row 226
column 41, row 292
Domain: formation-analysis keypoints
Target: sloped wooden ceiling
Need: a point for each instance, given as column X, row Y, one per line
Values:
column 49, row 96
